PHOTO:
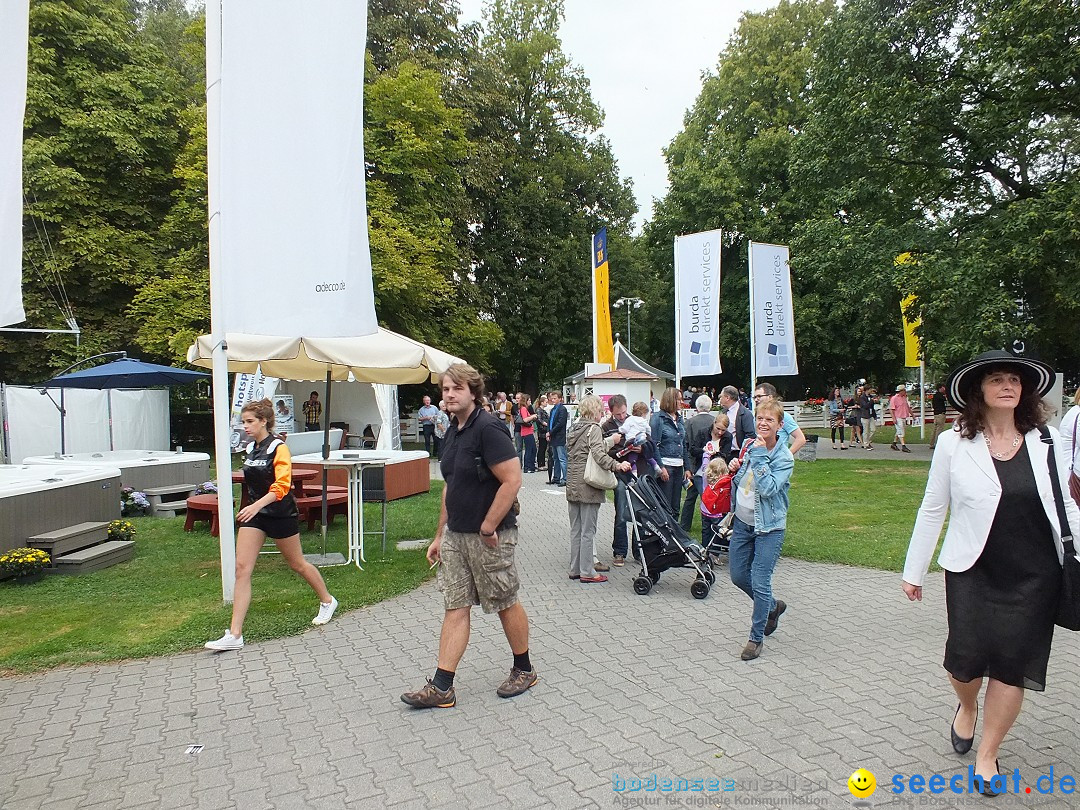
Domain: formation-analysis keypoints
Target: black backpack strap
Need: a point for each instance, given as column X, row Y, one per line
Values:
column 1055, row 482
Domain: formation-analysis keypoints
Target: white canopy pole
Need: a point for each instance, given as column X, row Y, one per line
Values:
column 222, row 401
column 678, row 322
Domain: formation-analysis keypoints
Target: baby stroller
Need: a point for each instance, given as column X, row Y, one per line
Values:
column 659, row 542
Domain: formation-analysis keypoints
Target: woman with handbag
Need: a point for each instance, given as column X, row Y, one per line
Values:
column 1003, row 550
column 587, row 460
column 836, row 417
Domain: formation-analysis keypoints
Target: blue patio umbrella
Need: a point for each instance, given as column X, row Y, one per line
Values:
column 125, row 373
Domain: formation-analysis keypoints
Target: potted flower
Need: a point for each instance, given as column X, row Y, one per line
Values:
column 121, row 530
column 133, row 502
column 24, row 564
column 206, row 488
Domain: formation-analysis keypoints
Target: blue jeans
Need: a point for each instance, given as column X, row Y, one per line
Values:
column 530, row 453
column 620, row 544
column 751, row 561
column 558, row 472
column 429, row 436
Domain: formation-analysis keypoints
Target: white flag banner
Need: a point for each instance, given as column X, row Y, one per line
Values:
column 697, row 304
column 294, row 253
column 771, row 313
column 247, row 388
column 14, row 36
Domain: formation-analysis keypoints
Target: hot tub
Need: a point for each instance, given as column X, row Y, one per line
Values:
column 140, row 469
column 36, row 498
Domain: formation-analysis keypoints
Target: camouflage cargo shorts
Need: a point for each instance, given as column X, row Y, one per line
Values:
column 473, row 573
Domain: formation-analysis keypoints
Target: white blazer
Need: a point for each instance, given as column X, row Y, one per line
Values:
column 963, row 481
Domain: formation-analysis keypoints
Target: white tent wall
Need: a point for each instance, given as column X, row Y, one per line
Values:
column 140, row 419
column 33, row 424
column 355, row 403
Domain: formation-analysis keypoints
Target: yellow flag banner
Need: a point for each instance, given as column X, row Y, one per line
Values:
column 603, row 346
column 911, row 322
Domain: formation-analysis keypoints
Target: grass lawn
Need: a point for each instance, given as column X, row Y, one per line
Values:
column 883, row 434
column 168, row 598
column 850, row 512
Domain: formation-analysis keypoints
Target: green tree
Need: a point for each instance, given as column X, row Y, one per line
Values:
column 101, row 138
column 950, row 131
column 728, row 169
column 550, row 182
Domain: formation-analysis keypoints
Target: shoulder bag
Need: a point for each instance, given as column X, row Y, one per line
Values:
column 1068, row 613
column 595, row 475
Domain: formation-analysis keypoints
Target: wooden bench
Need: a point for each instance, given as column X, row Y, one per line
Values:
column 199, row 508
column 310, row 507
column 167, row 501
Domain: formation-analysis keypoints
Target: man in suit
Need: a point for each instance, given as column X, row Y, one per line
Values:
column 556, row 436
column 740, row 419
column 698, row 432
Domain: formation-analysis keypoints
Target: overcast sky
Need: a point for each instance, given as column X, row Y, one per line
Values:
column 644, row 59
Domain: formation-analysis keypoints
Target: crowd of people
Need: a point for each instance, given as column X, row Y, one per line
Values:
column 1004, row 481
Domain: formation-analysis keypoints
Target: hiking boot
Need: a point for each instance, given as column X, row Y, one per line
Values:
column 906, row 449
column 428, row 697
column 752, row 650
column 894, row 446
column 774, row 617
column 226, row 642
column 601, row 567
column 517, row 683
column 619, row 560
column 326, row 612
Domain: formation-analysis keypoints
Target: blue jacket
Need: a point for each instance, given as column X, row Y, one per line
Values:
column 670, row 438
column 772, row 478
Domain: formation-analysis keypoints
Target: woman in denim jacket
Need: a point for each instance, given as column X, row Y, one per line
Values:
column 759, row 495
column 669, row 437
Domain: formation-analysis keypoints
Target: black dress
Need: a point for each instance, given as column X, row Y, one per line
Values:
column 1001, row 610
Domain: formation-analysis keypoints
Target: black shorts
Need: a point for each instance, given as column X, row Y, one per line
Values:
column 276, row 528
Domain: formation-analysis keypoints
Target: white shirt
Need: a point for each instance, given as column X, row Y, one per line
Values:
column 732, row 412
column 1069, row 432
column 963, row 482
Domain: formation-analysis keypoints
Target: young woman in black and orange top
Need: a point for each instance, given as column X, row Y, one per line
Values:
column 271, row 512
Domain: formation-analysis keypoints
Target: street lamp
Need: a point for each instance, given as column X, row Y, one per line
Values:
column 629, row 303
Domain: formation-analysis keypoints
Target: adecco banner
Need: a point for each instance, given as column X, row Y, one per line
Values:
column 287, row 174
column 772, row 320
column 697, row 304
column 14, row 25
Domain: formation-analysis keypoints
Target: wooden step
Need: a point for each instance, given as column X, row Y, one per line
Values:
column 95, row 558
column 71, row 538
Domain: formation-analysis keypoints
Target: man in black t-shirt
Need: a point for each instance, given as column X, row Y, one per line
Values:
column 475, row 539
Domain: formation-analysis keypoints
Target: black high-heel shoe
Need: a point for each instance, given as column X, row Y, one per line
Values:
column 960, row 744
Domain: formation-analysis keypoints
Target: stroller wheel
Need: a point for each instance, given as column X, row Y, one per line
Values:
column 642, row 585
column 699, row 589
column 710, row 577
column 655, row 577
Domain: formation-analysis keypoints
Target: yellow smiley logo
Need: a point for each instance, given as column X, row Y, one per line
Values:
column 862, row 784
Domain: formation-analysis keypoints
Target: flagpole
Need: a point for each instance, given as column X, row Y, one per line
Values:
column 592, row 282
column 922, row 398
column 222, row 399
column 678, row 320
column 753, row 344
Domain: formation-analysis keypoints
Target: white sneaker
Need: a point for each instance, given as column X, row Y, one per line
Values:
column 226, row 642
column 326, row 612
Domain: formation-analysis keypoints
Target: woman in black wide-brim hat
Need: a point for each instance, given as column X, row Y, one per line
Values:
column 1002, row 552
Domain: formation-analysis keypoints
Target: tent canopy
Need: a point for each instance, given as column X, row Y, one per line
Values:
column 125, row 373
column 382, row 357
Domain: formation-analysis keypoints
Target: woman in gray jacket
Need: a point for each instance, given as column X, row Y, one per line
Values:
column 583, row 439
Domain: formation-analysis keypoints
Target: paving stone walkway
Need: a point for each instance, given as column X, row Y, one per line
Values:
column 631, row 688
